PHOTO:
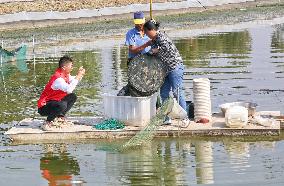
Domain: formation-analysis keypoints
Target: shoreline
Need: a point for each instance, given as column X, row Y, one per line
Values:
column 168, row 15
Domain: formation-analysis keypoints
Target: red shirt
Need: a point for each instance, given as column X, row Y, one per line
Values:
column 48, row 93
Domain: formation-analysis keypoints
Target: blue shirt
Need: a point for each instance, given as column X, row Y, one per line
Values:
column 134, row 38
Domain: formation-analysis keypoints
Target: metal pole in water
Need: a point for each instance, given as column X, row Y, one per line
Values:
column 34, row 50
column 1, row 59
column 2, row 73
column 2, row 45
column 117, row 68
column 1, row 52
column 33, row 43
column 34, row 72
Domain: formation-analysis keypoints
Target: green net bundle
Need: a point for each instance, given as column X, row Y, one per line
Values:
column 109, row 124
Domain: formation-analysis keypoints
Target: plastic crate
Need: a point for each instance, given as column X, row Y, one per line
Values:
column 133, row 111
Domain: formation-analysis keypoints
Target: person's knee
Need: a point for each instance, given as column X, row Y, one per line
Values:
column 62, row 106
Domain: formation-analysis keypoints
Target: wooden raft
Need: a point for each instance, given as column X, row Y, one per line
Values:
column 29, row 129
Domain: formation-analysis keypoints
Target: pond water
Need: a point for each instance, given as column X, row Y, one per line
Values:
column 224, row 161
column 244, row 64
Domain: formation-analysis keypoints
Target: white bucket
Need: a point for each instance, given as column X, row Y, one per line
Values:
column 201, row 99
column 177, row 112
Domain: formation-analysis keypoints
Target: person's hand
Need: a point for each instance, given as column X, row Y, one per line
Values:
column 155, row 50
column 81, row 72
column 149, row 43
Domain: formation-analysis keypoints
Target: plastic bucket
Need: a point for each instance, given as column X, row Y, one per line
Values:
column 177, row 112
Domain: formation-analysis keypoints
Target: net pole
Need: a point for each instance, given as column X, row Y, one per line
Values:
column 33, row 37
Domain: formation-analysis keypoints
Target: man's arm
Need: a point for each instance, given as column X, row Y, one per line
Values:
column 130, row 42
column 138, row 49
column 60, row 84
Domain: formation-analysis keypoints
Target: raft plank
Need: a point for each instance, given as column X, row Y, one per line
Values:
column 29, row 130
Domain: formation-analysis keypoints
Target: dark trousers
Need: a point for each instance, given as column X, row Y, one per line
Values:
column 54, row 109
column 128, row 61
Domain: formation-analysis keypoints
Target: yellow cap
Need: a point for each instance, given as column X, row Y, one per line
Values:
column 139, row 21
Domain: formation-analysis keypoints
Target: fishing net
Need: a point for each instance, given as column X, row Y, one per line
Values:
column 129, row 91
column 146, row 135
column 109, row 124
column 146, row 75
column 18, row 55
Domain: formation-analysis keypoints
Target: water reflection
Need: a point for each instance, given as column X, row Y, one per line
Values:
column 198, row 51
column 134, row 168
column 196, row 161
column 277, row 42
column 238, row 153
column 57, row 166
column 189, row 162
column 204, row 162
column 167, row 162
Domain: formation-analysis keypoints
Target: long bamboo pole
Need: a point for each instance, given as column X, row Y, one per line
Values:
column 151, row 14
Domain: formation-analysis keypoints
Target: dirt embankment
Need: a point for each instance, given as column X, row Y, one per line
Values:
column 228, row 13
column 66, row 5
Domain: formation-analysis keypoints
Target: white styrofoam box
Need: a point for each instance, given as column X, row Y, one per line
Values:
column 133, row 111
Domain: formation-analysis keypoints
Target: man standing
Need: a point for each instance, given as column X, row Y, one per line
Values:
column 57, row 97
column 136, row 40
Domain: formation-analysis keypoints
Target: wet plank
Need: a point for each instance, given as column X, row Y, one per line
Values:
column 29, row 129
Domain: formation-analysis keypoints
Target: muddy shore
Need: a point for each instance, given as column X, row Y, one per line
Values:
column 171, row 19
